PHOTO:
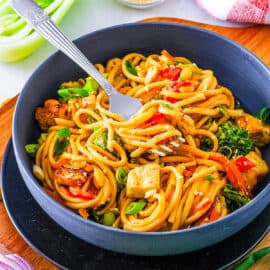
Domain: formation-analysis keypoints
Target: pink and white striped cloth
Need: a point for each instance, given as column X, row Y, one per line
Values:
column 240, row 11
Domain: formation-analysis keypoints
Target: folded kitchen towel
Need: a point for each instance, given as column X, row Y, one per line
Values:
column 240, row 11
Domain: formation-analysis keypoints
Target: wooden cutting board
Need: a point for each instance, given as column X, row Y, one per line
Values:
column 254, row 38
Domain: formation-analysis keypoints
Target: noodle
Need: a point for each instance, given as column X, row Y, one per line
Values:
column 149, row 171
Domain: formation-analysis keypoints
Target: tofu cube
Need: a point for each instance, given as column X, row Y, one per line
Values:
column 142, row 179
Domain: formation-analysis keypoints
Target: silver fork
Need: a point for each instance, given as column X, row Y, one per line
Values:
column 124, row 105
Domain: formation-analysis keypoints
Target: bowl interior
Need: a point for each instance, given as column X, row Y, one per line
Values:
column 234, row 67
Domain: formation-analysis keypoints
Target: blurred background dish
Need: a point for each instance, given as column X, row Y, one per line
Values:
column 140, row 4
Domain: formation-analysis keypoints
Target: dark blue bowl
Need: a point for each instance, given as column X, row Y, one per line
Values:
column 234, row 66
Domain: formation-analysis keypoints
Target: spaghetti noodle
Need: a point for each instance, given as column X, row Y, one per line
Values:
column 151, row 172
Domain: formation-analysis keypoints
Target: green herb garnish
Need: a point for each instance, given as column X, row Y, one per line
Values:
column 168, row 106
column 234, row 200
column 62, row 140
column 233, row 140
column 131, row 68
column 264, row 115
column 209, row 178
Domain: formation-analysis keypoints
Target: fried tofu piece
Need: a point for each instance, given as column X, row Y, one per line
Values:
column 256, row 173
column 257, row 131
column 143, row 179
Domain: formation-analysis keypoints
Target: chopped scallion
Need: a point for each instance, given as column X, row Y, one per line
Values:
column 135, row 207
column 131, row 68
column 31, row 149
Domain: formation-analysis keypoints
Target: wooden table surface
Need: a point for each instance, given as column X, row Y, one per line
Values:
column 254, row 38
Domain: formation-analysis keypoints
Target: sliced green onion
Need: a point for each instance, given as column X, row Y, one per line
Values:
column 96, row 129
column 68, row 93
column 131, row 68
column 168, row 106
column 90, row 85
column 62, row 140
column 222, row 109
column 209, row 178
column 264, row 115
column 108, row 219
column 254, row 257
column 101, row 140
column 121, row 176
column 135, row 207
column 31, row 149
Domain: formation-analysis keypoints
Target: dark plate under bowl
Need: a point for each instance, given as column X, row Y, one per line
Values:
column 234, row 67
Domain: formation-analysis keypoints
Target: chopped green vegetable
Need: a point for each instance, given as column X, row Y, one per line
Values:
column 62, row 140
column 168, row 106
column 90, row 85
column 96, row 129
column 68, row 93
column 222, row 109
column 237, row 104
column 121, row 176
column 234, row 138
column 17, row 39
column 42, row 138
column 92, row 214
column 209, row 178
column 101, row 140
column 108, row 219
column 130, row 67
column 234, row 200
column 135, row 207
column 31, row 149
column 253, row 258
column 264, row 115
column 43, row 3
column 206, row 144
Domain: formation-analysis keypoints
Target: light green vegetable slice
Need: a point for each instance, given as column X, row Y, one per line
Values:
column 17, row 39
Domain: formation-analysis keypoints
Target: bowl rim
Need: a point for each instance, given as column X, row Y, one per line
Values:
column 77, row 217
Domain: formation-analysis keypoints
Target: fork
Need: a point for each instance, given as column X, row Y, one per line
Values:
column 124, row 105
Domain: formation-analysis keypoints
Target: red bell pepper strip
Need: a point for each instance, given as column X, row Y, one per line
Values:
column 157, row 118
column 243, row 164
column 170, row 73
column 84, row 196
column 234, row 175
column 213, row 215
column 175, row 86
column 60, row 163
column 189, row 172
column 205, row 202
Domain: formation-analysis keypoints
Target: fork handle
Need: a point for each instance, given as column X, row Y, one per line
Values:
column 43, row 24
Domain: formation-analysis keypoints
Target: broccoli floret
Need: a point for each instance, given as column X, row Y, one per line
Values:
column 233, row 140
column 233, row 199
